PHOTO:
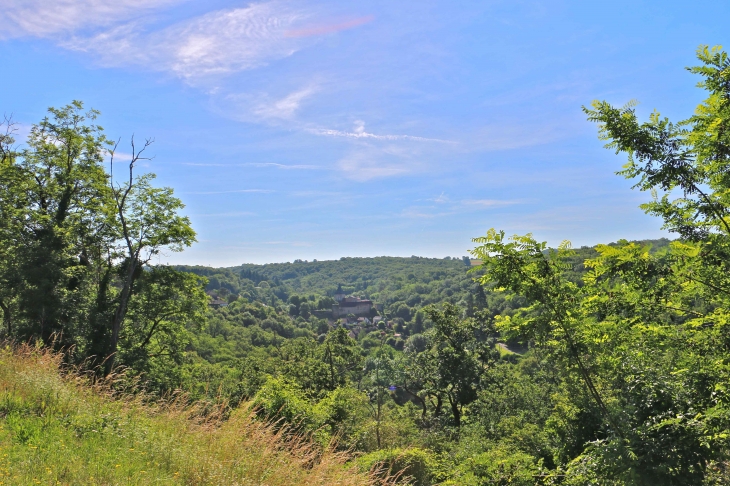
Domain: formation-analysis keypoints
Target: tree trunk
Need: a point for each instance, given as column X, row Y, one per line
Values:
column 455, row 411
column 7, row 318
column 439, row 404
column 120, row 314
column 420, row 399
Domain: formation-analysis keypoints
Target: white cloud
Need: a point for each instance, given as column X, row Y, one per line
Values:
column 284, row 108
column 360, row 133
column 44, row 18
column 369, row 164
column 257, row 107
column 258, row 164
column 239, row 191
column 214, row 44
column 488, row 203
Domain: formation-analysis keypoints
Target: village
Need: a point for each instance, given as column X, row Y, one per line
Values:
column 355, row 314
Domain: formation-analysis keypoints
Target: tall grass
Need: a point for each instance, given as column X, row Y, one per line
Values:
column 62, row 428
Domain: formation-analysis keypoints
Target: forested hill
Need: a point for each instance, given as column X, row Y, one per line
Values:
column 366, row 275
column 401, row 284
column 412, row 281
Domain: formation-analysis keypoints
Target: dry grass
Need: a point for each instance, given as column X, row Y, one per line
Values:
column 61, row 428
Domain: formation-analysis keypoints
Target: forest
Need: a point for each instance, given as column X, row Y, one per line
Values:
column 518, row 364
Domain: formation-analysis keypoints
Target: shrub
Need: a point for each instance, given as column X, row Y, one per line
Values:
column 279, row 399
column 497, row 467
column 413, row 463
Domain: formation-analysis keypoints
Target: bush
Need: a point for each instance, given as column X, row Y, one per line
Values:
column 414, row 463
column 279, row 399
column 342, row 411
column 497, row 467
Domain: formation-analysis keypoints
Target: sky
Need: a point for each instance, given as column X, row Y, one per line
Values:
column 322, row 129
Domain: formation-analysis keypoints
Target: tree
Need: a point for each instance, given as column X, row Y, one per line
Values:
column 149, row 223
column 647, row 332
column 8, row 273
column 342, row 356
column 75, row 243
column 54, row 203
column 463, row 350
column 457, row 352
column 168, row 305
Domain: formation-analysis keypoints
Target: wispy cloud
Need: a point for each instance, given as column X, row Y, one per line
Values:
column 368, row 165
column 360, row 133
column 329, row 28
column 273, row 106
column 220, row 42
column 286, row 107
column 214, row 44
column 237, row 191
column 43, row 18
column 489, row 203
column 258, row 164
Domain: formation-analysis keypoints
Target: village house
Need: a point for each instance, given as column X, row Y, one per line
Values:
column 347, row 304
column 352, row 305
column 217, row 303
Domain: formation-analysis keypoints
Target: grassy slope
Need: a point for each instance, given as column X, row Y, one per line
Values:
column 57, row 429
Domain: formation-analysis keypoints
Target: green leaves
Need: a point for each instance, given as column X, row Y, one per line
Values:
column 646, row 332
column 150, row 215
column 73, row 246
column 686, row 161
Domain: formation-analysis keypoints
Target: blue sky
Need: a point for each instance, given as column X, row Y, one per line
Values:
column 325, row 129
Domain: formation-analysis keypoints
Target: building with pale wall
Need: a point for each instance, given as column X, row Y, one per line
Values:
column 352, row 305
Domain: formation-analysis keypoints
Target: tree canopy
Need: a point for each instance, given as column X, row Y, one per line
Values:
column 76, row 245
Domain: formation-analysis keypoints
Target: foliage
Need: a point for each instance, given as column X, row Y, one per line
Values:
column 646, row 333
column 413, row 464
column 603, row 365
column 497, row 467
column 76, row 246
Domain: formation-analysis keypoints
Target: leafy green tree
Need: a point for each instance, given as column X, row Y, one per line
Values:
column 646, row 333
column 449, row 361
column 56, row 223
column 8, row 270
column 461, row 351
column 342, row 357
column 168, row 304
column 302, row 362
column 149, row 222
column 75, row 243
column 343, row 410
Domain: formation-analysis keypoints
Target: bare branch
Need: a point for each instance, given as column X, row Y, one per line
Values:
column 112, row 151
column 7, row 138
